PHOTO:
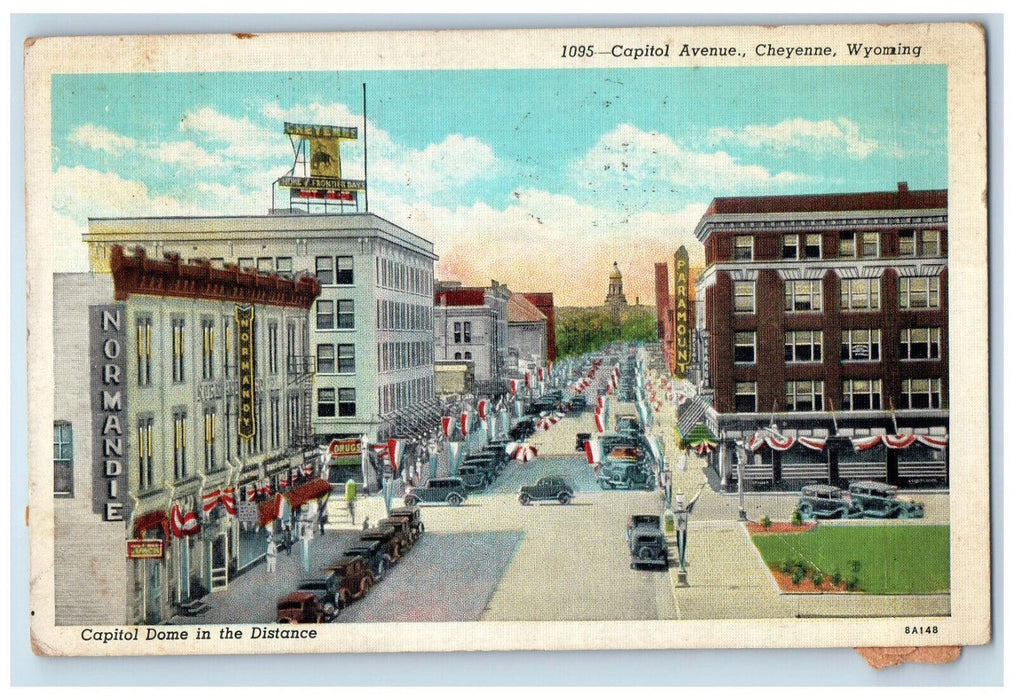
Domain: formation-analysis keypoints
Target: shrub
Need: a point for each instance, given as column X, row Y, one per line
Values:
column 797, row 518
column 798, row 574
column 787, row 566
column 818, row 579
column 765, row 522
column 836, row 578
column 852, row 584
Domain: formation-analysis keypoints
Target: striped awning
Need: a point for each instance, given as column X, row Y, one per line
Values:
column 691, row 414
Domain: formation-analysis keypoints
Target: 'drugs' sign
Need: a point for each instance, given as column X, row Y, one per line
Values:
column 108, row 354
column 245, row 352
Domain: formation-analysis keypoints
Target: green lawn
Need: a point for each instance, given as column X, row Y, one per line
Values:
column 892, row 558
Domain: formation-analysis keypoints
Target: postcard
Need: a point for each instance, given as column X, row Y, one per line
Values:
column 508, row 340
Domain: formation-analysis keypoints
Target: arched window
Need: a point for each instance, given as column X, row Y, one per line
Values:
column 457, row 356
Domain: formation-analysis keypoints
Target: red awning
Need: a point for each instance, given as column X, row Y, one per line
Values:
column 155, row 520
column 267, row 510
column 305, row 493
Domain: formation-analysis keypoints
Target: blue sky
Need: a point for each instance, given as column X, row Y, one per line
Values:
column 540, row 178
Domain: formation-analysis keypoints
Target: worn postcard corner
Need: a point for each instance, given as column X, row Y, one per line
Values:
column 536, row 339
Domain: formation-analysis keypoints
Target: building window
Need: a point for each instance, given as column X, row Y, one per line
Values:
column 743, row 297
column 210, row 428
column 457, row 356
column 207, row 349
column 283, row 265
column 746, row 397
column 344, row 271
column 467, row 331
column 63, row 460
column 813, row 246
column 468, row 355
column 457, row 332
column 920, row 344
column 229, row 365
column 325, row 269
column 804, row 395
column 178, row 349
column 346, row 314
column 346, row 402
column 179, row 445
column 325, row 403
column 847, row 244
column 869, row 242
column 790, row 246
column 929, row 243
column 265, row 264
column 919, row 293
column 860, row 345
column 346, row 359
column 276, row 430
column 742, row 247
column 923, row 243
column 245, row 263
column 804, row 346
column 920, row 393
column 273, row 347
column 145, row 453
column 860, row 395
column 325, row 314
column 860, row 294
column 744, row 347
column 325, row 359
column 906, row 244
column 144, row 351
column 803, row 295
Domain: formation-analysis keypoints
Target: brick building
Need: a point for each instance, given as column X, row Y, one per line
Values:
column 824, row 336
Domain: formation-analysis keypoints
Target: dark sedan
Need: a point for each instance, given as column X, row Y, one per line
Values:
column 548, row 488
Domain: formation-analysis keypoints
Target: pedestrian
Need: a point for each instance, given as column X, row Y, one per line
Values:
column 366, row 523
column 288, row 539
column 272, row 555
column 306, row 536
column 323, row 519
column 350, row 498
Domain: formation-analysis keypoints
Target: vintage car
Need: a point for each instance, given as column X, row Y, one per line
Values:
column 628, row 425
column 626, row 475
column 474, row 476
column 388, row 537
column 823, row 501
column 577, row 403
column 580, row 440
column 373, row 552
column 646, row 542
column 299, row 608
column 877, row 500
column 486, row 462
column 414, row 518
column 523, row 429
column 354, row 578
column 450, row 490
column 326, row 589
column 548, row 488
column 402, row 531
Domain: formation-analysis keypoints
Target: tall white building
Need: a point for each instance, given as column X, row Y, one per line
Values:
column 371, row 328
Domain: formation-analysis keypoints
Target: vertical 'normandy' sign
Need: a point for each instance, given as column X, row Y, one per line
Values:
column 681, row 306
column 108, row 350
column 245, row 353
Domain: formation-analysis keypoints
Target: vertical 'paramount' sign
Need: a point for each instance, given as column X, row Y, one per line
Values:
column 681, row 306
column 245, row 352
column 109, row 409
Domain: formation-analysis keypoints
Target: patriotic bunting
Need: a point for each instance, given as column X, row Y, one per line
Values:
column 464, row 424
column 812, row 443
column 483, row 408
column 445, row 426
column 183, row 524
column 229, row 500
column 525, row 452
column 395, row 452
column 210, row 500
column 593, row 450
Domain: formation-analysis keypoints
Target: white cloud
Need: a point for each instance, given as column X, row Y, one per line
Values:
column 185, row 154
column 81, row 192
column 826, row 136
column 242, row 138
column 100, row 138
column 551, row 242
column 630, row 162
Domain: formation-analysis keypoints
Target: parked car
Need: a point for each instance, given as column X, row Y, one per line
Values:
column 474, row 477
column 450, row 490
column 823, row 501
column 577, row 403
column 354, row 579
column 877, row 500
column 523, row 429
column 374, row 554
column 487, row 463
column 326, row 590
column 414, row 518
column 628, row 425
column 388, row 538
column 646, row 542
column 299, row 608
column 402, row 531
column 580, row 440
column 548, row 488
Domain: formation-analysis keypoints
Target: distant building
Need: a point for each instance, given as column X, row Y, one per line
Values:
column 527, row 334
column 824, row 336
column 543, row 301
column 175, row 401
column 454, row 378
column 371, row 331
column 470, row 323
column 615, row 298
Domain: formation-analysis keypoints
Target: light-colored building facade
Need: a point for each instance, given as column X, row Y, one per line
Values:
column 471, row 324
column 179, row 395
column 371, row 329
column 527, row 346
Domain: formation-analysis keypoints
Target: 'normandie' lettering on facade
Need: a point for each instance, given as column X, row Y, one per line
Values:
column 108, row 407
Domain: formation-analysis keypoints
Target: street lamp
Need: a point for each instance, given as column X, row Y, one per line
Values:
column 740, row 461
